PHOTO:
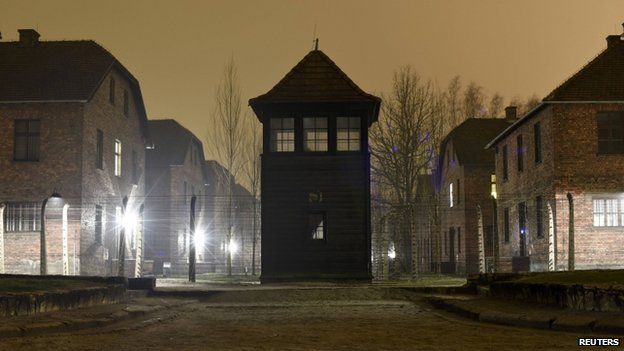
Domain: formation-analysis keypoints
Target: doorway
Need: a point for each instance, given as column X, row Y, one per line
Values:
column 451, row 242
column 522, row 228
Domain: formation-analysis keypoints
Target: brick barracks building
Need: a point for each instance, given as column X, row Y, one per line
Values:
column 175, row 172
column 561, row 174
column 72, row 120
column 466, row 176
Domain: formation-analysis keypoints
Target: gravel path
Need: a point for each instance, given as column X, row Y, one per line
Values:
column 306, row 325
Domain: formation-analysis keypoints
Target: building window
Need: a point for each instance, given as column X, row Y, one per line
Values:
column 26, row 139
column 282, row 134
column 185, row 191
column 610, row 132
column 611, row 213
column 607, row 213
column 537, row 140
column 538, row 216
column 126, row 103
column 505, row 163
column 506, row 224
column 317, row 226
column 117, row 158
column 458, row 192
column 315, row 134
column 119, row 223
column 348, row 133
column 98, row 224
column 520, row 153
column 493, row 185
column 99, row 150
column 111, row 91
column 451, row 195
column 22, row 217
column 135, row 168
column 458, row 239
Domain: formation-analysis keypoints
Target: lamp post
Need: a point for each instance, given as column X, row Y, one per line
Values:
column 43, row 264
column 192, row 242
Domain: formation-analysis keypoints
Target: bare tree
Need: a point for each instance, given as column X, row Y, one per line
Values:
column 453, row 104
column 531, row 102
column 474, row 101
column 527, row 105
column 516, row 101
column 496, row 105
column 226, row 141
column 402, row 146
column 252, row 173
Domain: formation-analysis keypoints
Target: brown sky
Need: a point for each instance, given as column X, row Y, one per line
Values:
column 177, row 49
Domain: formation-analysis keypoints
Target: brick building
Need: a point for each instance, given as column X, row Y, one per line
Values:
column 316, row 174
column 72, row 119
column 174, row 173
column 561, row 174
column 466, row 175
column 218, row 223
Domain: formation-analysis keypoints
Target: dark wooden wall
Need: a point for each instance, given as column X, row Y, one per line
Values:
column 288, row 252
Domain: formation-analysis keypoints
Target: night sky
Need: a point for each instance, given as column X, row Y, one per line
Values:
column 177, row 49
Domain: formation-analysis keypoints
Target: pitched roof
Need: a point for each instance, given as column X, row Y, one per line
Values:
column 59, row 71
column 316, row 78
column 171, row 143
column 602, row 79
column 469, row 139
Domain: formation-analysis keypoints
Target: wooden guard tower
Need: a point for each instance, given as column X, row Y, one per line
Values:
column 316, row 174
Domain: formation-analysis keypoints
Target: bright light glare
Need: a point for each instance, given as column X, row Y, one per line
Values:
column 391, row 251
column 130, row 220
column 200, row 239
column 232, row 247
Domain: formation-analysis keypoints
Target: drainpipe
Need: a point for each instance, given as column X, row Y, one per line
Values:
column 1, row 238
column 495, row 234
column 571, row 233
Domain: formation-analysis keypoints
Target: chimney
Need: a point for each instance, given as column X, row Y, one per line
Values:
column 511, row 113
column 28, row 37
column 613, row 40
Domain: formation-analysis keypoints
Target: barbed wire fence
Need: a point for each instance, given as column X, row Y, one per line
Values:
column 164, row 230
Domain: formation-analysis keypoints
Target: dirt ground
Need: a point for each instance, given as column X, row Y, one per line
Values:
column 232, row 323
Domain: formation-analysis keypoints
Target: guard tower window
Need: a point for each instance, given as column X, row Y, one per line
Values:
column 282, row 134
column 315, row 134
column 316, row 222
column 348, row 133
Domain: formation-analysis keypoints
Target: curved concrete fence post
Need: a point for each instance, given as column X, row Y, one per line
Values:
column 139, row 244
column 1, row 238
column 64, row 241
column 481, row 241
column 552, row 243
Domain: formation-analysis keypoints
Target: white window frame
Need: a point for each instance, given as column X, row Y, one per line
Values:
column 450, row 194
column 608, row 212
column 117, row 155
